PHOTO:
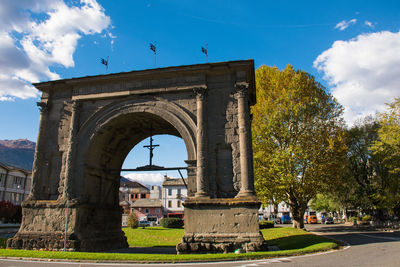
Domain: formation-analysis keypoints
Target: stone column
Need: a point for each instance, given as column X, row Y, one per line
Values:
column 201, row 141
column 68, row 191
column 39, row 151
column 245, row 146
column 192, row 179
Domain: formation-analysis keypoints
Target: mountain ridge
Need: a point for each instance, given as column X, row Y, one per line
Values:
column 17, row 153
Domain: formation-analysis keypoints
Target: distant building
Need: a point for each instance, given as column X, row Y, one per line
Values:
column 15, row 184
column 148, row 210
column 132, row 190
column 268, row 210
column 155, row 192
column 155, row 203
column 129, row 192
column 174, row 193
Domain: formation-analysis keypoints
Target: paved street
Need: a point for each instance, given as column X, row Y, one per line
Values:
column 367, row 248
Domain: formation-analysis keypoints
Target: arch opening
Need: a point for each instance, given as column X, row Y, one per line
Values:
column 109, row 149
column 169, row 152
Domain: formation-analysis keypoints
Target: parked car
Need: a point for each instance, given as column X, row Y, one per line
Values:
column 286, row 219
column 312, row 219
column 274, row 218
column 144, row 223
column 329, row 220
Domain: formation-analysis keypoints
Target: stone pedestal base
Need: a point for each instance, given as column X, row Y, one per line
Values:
column 90, row 228
column 221, row 225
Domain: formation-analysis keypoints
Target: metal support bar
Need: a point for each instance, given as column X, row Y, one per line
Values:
column 150, row 169
column 183, row 179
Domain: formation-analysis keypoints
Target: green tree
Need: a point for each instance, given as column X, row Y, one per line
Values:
column 325, row 203
column 359, row 161
column 133, row 221
column 388, row 143
column 367, row 169
column 297, row 138
column 387, row 148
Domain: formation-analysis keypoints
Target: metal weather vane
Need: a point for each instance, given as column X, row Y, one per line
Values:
column 153, row 47
column 104, row 62
column 205, row 51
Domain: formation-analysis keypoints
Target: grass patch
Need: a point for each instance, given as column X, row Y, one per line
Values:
column 153, row 236
column 290, row 241
column 287, row 238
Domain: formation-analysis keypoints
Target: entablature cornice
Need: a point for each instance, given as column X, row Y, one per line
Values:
column 151, row 81
column 84, row 93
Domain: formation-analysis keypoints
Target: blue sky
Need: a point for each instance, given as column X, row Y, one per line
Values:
column 352, row 47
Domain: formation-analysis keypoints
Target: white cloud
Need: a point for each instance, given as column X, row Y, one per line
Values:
column 364, row 72
column 37, row 34
column 345, row 24
column 369, row 23
column 146, row 178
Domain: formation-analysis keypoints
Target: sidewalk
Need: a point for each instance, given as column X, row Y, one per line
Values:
column 9, row 225
column 8, row 229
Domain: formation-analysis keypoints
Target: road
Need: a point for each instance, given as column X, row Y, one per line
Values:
column 366, row 248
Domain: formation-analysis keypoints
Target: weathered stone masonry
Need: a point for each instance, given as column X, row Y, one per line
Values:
column 88, row 126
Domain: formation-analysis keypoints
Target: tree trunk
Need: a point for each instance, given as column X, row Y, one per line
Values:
column 276, row 209
column 298, row 215
column 345, row 214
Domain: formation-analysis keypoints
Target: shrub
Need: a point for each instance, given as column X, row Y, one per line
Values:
column 266, row 224
column 366, row 218
column 351, row 219
column 10, row 213
column 3, row 242
column 171, row 222
column 18, row 214
column 133, row 221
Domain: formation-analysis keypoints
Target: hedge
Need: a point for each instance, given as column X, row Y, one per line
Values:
column 171, row 222
column 266, row 224
column 10, row 213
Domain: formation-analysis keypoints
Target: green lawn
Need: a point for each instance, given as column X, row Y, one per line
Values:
column 287, row 238
column 153, row 236
column 290, row 241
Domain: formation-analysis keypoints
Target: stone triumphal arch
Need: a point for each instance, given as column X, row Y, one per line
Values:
column 88, row 126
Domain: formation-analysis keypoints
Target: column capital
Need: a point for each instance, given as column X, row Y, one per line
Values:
column 43, row 106
column 200, row 92
column 241, row 89
column 75, row 104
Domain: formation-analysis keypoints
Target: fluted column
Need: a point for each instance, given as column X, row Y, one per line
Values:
column 38, row 158
column 202, row 183
column 245, row 146
column 68, row 191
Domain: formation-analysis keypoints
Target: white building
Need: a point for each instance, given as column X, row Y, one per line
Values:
column 15, row 184
column 155, row 192
column 174, row 192
column 268, row 209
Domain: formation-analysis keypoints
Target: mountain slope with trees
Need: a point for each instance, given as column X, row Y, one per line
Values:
column 17, row 153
